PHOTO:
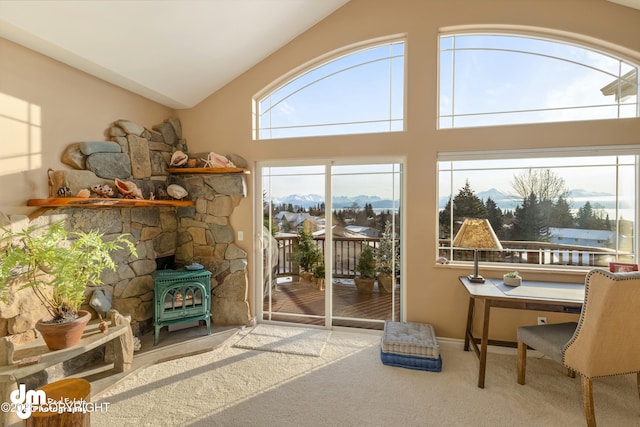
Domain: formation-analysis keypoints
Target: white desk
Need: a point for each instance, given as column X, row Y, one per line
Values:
column 536, row 296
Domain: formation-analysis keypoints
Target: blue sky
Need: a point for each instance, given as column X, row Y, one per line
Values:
column 492, row 75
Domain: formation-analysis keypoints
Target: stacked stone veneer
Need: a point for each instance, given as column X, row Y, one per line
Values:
column 200, row 233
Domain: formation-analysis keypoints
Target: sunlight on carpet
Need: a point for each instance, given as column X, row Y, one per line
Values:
column 348, row 386
column 285, row 339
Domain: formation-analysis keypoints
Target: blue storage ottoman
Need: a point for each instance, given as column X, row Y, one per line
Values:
column 410, row 345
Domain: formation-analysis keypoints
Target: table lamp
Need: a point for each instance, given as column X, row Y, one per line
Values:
column 476, row 234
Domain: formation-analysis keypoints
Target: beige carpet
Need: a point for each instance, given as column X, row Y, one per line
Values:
column 348, row 386
column 292, row 340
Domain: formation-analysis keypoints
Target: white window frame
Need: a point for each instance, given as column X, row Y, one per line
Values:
column 613, row 150
column 582, row 42
column 320, row 62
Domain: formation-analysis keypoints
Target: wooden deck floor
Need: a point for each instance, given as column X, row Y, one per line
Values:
column 350, row 308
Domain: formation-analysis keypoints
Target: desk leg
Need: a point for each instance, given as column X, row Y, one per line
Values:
column 483, row 343
column 468, row 332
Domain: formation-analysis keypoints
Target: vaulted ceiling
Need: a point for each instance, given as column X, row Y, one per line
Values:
column 175, row 52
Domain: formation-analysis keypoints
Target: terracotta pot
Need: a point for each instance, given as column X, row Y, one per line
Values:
column 306, row 277
column 58, row 336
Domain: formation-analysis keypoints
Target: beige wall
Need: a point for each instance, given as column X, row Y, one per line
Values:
column 72, row 107
column 223, row 123
column 77, row 107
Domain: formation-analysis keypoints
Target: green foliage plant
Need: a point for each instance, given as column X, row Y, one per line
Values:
column 56, row 264
column 387, row 255
column 307, row 254
column 319, row 270
column 366, row 265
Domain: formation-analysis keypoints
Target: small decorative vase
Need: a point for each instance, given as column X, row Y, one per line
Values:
column 512, row 281
column 58, row 336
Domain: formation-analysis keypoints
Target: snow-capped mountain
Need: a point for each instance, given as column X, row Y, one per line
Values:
column 577, row 198
column 339, row 202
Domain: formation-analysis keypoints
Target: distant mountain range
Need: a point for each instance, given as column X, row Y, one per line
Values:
column 577, row 198
column 340, row 202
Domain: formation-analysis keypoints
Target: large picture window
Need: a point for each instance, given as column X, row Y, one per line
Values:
column 547, row 207
column 499, row 79
column 360, row 92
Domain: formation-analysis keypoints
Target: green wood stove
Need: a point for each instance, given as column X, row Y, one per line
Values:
column 181, row 296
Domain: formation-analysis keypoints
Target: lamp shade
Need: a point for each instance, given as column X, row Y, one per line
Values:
column 476, row 234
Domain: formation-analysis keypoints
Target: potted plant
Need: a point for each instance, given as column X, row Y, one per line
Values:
column 57, row 265
column 366, row 267
column 307, row 255
column 512, row 279
column 387, row 259
column 318, row 275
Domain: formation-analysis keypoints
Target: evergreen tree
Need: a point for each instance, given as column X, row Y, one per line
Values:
column 608, row 225
column 443, row 220
column 368, row 208
column 383, row 218
column 528, row 222
column 547, row 187
column 494, row 215
column 561, row 215
column 593, row 218
column 465, row 205
column 585, row 218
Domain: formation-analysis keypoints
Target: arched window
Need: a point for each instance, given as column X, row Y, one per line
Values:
column 500, row 79
column 358, row 92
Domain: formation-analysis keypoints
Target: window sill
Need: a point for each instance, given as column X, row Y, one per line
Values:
column 493, row 270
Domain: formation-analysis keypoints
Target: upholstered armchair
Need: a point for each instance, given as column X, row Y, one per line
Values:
column 604, row 342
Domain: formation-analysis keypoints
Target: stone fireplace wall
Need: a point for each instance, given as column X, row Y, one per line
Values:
column 199, row 233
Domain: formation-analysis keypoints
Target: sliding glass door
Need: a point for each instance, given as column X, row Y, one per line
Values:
column 293, row 205
column 366, row 202
column 331, row 239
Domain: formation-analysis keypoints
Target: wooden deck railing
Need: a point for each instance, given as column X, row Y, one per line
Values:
column 540, row 253
column 347, row 251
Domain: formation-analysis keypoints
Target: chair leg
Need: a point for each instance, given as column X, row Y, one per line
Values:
column 587, row 398
column 522, row 361
column 638, row 382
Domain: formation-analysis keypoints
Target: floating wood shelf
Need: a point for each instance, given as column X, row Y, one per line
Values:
column 57, row 202
column 208, row 170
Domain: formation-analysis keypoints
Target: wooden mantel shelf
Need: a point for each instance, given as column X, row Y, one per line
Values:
column 208, row 170
column 57, row 202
